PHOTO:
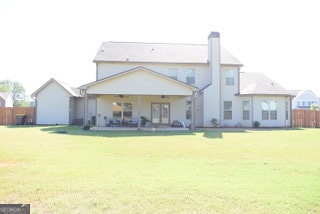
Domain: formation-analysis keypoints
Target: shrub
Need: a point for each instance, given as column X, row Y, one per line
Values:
column 214, row 122
column 256, row 124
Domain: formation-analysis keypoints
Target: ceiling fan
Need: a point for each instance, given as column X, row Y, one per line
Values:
column 164, row 96
column 121, row 96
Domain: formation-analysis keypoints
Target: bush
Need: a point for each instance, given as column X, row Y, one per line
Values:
column 214, row 122
column 256, row 124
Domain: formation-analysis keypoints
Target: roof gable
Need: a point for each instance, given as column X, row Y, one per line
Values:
column 306, row 94
column 74, row 92
column 159, row 53
column 6, row 95
column 139, row 80
column 259, row 84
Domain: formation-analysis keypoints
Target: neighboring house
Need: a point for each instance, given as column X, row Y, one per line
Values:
column 304, row 99
column 181, row 82
column 6, row 99
column 58, row 103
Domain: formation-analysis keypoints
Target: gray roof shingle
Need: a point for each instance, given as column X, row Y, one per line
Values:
column 258, row 84
column 159, row 53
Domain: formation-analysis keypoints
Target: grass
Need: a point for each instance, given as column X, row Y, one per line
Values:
column 253, row 171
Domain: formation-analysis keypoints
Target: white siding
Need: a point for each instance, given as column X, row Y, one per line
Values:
column 53, row 105
column 201, row 70
column 139, row 82
column 281, row 111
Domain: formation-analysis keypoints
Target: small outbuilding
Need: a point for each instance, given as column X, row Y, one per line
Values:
column 58, row 103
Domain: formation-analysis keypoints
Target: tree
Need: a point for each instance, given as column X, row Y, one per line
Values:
column 18, row 92
column 314, row 106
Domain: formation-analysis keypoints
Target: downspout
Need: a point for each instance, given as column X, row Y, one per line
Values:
column 290, row 112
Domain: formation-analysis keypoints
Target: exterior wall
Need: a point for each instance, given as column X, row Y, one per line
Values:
column 72, row 109
column 9, row 102
column 2, row 102
column 199, row 110
column 281, row 111
column 53, row 105
column 177, row 107
column 202, row 72
column 6, row 101
column 256, row 112
column 79, row 109
column 139, row 82
column 92, row 108
column 228, row 93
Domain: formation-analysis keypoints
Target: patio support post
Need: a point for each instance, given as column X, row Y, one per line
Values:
column 193, row 111
column 85, row 116
column 139, row 112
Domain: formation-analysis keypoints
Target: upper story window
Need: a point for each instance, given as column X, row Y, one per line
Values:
column 190, row 76
column 173, row 73
column 230, row 76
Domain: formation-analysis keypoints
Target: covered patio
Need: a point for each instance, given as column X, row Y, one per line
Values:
column 127, row 99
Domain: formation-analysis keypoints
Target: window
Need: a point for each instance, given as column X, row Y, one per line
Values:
column 190, row 76
column 246, row 110
column 121, row 110
column 230, row 75
column 173, row 73
column 273, row 110
column 188, row 111
column 227, row 106
column 269, row 110
column 265, row 110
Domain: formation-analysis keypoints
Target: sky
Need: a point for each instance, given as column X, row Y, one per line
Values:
column 43, row 39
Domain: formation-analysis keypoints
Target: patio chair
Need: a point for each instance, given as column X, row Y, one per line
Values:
column 133, row 122
column 114, row 122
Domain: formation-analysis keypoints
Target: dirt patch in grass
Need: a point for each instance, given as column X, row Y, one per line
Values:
column 4, row 163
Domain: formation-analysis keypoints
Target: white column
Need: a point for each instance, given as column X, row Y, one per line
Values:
column 139, row 111
column 85, row 110
column 193, row 111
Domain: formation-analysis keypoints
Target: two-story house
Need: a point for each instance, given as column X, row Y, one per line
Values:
column 304, row 99
column 190, row 83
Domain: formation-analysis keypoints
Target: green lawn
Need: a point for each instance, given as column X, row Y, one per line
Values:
column 240, row 171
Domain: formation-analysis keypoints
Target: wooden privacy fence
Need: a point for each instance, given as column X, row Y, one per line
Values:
column 306, row 118
column 8, row 115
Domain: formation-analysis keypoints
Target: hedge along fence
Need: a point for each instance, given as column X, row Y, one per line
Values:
column 306, row 118
column 8, row 115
